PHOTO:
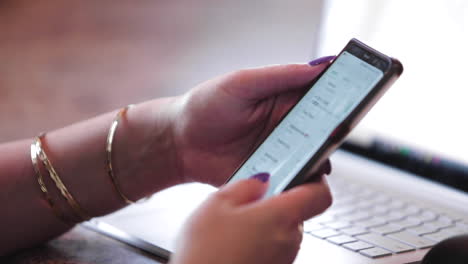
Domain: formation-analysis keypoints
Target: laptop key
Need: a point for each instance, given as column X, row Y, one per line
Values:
column 385, row 242
column 341, row 211
column 437, row 224
column 358, row 245
column 360, row 215
column 311, row 226
column 426, row 216
column 396, row 204
column 324, row 233
column 441, row 235
column 350, row 187
column 454, row 216
column 422, row 229
column 407, row 222
column 394, row 216
column 381, row 199
column 364, row 204
column 411, row 239
column 345, row 201
column 371, row 222
column 375, row 252
column 386, row 229
column 414, row 210
column 337, row 224
column 323, row 218
column 341, row 239
column 454, row 229
column 366, row 193
column 463, row 228
column 378, row 210
column 354, row 230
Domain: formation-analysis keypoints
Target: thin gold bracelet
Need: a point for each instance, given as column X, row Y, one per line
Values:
column 79, row 211
column 110, row 140
column 40, row 180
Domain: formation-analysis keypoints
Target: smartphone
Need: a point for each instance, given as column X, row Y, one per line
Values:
column 317, row 124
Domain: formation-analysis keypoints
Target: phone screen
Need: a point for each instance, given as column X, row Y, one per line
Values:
column 310, row 122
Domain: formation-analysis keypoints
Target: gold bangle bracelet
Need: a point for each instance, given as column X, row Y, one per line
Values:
column 40, row 180
column 79, row 211
column 110, row 140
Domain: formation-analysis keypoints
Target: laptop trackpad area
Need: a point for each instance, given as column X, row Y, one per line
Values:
column 159, row 219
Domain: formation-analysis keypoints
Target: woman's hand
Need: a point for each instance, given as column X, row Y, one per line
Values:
column 235, row 226
column 220, row 121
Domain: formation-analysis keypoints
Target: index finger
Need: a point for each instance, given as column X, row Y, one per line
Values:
column 260, row 83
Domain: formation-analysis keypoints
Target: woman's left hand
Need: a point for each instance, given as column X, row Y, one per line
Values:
column 220, row 121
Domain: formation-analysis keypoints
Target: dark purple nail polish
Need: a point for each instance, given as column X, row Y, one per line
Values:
column 325, row 168
column 321, row 60
column 328, row 167
column 263, row 176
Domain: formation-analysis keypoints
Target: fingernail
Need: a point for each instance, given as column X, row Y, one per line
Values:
column 263, row 177
column 325, row 168
column 322, row 60
column 328, row 167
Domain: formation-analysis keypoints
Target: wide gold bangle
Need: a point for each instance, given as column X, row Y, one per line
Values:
column 79, row 211
column 40, row 180
column 110, row 140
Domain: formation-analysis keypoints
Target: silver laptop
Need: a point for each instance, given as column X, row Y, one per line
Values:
column 380, row 214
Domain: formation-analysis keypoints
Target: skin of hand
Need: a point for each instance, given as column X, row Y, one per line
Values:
column 234, row 225
column 219, row 122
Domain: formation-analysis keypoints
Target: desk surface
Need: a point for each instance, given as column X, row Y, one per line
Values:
column 82, row 246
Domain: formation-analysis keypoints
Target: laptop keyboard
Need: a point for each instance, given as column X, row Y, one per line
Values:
column 375, row 224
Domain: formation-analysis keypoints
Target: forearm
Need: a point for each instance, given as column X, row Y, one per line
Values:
column 143, row 161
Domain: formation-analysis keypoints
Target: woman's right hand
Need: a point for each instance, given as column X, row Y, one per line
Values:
column 236, row 226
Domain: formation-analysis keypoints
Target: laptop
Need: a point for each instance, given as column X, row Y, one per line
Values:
column 380, row 214
column 400, row 180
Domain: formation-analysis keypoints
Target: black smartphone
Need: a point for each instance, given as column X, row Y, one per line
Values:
column 314, row 127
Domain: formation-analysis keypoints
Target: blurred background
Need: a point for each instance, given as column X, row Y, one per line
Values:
column 428, row 106
column 64, row 61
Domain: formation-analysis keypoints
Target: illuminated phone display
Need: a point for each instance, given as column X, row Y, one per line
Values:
column 310, row 122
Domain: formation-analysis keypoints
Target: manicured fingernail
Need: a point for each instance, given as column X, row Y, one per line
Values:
column 328, row 167
column 263, row 176
column 321, row 60
column 325, row 168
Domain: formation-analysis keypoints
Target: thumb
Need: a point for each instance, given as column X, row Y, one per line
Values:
column 244, row 191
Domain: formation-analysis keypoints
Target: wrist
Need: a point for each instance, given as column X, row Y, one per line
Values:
column 145, row 153
column 196, row 158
